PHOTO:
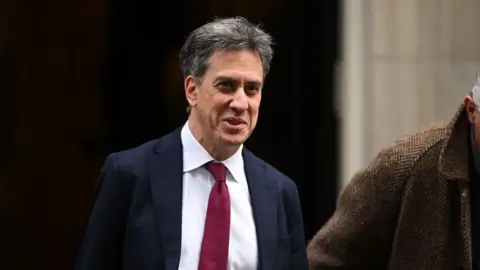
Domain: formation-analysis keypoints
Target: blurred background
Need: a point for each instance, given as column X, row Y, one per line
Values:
column 81, row 79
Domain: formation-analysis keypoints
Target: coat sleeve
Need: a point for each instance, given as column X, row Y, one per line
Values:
column 102, row 243
column 359, row 235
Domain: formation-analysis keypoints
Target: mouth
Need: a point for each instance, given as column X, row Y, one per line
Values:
column 235, row 121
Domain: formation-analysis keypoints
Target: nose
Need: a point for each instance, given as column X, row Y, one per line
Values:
column 240, row 101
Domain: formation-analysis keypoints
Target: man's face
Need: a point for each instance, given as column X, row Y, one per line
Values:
column 228, row 98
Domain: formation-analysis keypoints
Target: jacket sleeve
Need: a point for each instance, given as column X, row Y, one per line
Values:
column 102, row 244
column 359, row 235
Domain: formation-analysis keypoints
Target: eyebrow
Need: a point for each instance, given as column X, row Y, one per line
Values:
column 228, row 78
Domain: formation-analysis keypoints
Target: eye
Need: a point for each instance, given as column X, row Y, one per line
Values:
column 225, row 85
column 252, row 88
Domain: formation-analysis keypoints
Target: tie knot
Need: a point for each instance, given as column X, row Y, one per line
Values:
column 218, row 170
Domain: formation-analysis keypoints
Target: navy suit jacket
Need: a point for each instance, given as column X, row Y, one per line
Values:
column 135, row 223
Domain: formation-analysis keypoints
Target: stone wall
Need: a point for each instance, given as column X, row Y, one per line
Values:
column 405, row 63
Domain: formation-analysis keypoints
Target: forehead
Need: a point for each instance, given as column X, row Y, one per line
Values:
column 241, row 64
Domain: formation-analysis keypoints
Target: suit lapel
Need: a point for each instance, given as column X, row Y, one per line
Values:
column 165, row 167
column 264, row 205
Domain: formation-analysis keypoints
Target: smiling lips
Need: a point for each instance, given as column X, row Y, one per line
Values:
column 235, row 121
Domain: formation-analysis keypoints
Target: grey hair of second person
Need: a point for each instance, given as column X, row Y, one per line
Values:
column 475, row 93
column 235, row 33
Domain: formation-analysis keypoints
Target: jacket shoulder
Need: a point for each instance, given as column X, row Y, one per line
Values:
column 136, row 155
column 134, row 160
column 280, row 179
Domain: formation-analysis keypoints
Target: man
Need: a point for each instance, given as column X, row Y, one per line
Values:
column 196, row 198
column 414, row 207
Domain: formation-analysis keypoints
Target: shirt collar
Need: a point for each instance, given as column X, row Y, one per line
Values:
column 195, row 156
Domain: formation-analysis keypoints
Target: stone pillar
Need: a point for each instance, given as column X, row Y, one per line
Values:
column 406, row 63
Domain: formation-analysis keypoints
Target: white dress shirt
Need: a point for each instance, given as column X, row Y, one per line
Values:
column 197, row 183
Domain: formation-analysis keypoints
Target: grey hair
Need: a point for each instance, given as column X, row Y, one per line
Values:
column 476, row 91
column 223, row 34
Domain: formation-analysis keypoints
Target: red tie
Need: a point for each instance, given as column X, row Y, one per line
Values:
column 216, row 235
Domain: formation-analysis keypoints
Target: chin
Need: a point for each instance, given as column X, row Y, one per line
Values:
column 234, row 139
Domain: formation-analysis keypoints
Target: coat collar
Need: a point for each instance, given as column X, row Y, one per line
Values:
column 453, row 160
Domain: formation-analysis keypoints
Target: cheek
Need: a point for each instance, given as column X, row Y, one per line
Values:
column 254, row 113
column 254, row 106
column 476, row 127
column 476, row 131
column 476, row 123
column 217, row 110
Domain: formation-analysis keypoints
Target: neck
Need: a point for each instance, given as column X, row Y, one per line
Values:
column 219, row 151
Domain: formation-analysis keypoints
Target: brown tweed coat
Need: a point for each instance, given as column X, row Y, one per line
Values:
column 409, row 209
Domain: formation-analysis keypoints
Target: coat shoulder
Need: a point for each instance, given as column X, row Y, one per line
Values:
column 405, row 152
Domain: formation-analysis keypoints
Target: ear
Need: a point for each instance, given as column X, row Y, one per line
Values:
column 191, row 91
column 470, row 108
